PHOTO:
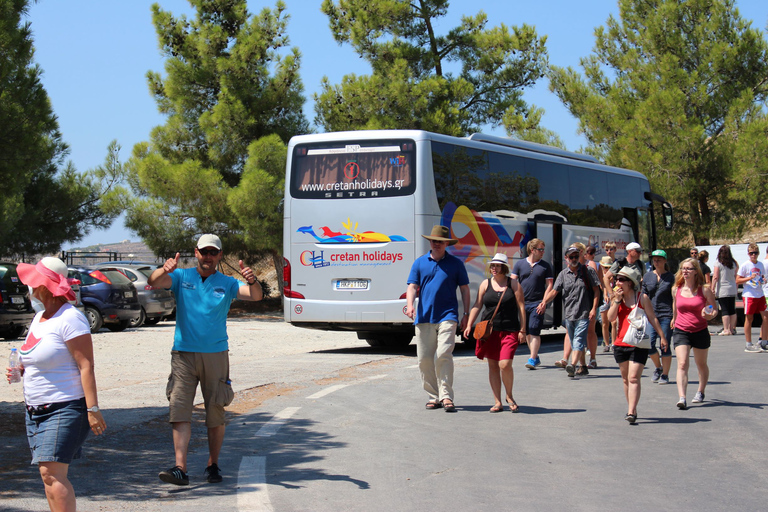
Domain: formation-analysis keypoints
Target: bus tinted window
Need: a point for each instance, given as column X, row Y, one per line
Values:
column 353, row 169
column 491, row 181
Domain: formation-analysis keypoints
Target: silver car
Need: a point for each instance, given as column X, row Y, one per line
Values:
column 156, row 303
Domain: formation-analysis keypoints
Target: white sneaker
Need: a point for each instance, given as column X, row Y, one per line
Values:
column 698, row 398
column 754, row 349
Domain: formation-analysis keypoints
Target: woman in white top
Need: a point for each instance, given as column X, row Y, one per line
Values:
column 59, row 382
column 724, row 284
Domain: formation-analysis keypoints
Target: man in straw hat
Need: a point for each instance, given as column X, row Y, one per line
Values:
column 435, row 277
column 200, row 349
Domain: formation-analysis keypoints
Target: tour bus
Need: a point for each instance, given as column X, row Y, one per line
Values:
column 357, row 204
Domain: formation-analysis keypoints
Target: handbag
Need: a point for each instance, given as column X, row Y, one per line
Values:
column 637, row 328
column 485, row 328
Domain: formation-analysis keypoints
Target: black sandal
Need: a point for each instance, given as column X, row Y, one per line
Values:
column 434, row 405
column 448, row 405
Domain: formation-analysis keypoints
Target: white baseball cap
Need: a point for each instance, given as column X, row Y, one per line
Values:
column 209, row 241
column 634, row 246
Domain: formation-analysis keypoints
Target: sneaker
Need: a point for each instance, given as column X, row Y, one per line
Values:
column 698, row 398
column 212, row 474
column 531, row 364
column 656, row 374
column 570, row 370
column 607, row 348
column 764, row 345
column 582, row 370
column 681, row 404
column 538, row 361
column 592, row 364
column 755, row 349
column 734, row 332
column 561, row 363
column 175, row 476
column 663, row 379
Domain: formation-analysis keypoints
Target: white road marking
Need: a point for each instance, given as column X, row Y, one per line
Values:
column 271, row 427
column 327, row 391
column 377, row 376
column 252, row 490
column 413, row 366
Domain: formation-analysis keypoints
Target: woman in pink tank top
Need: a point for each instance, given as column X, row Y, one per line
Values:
column 694, row 306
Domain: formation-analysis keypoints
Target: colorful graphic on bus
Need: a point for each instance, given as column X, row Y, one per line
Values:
column 485, row 236
column 352, row 235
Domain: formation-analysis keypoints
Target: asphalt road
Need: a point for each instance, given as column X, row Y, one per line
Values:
column 323, row 422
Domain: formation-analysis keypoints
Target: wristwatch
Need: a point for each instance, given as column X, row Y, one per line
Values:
column 95, row 408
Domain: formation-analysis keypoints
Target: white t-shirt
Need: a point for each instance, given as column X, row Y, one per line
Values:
column 750, row 288
column 51, row 374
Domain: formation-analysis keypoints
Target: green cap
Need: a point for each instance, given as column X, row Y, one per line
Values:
column 659, row 252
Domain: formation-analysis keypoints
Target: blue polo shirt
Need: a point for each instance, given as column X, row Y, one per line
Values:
column 437, row 282
column 533, row 279
column 201, row 310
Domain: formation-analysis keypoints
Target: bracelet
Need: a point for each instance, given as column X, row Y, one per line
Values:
column 617, row 302
column 466, row 314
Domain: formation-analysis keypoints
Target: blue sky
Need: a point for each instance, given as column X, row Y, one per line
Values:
column 95, row 56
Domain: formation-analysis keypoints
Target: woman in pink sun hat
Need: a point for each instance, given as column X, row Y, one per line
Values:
column 59, row 380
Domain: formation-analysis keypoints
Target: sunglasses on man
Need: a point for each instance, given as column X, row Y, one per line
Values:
column 208, row 252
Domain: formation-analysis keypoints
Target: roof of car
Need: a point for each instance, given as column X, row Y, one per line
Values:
column 128, row 264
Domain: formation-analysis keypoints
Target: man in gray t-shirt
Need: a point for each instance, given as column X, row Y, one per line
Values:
column 632, row 260
column 579, row 304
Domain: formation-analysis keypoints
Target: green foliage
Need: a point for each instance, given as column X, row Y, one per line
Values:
column 411, row 86
column 41, row 204
column 229, row 83
column 676, row 89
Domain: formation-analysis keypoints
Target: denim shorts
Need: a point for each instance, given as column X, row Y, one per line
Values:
column 57, row 434
column 577, row 331
column 534, row 320
column 665, row 327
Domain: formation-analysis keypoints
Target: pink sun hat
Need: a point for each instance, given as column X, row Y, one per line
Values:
column 49, row 272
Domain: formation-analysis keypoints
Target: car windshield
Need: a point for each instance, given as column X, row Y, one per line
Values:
column 6, row 269
column 147, row 271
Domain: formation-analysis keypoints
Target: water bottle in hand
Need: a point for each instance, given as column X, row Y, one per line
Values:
column 709, row 309
column 14, row 365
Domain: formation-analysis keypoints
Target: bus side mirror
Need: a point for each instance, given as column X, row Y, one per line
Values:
column 666, row 211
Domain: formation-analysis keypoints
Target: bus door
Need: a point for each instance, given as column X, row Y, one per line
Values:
column 552, row 235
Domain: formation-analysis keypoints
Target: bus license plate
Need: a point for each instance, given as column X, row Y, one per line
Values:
column 15, row 299
column 352, row 284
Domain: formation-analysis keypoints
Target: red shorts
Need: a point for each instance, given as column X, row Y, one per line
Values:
column 754, row 305
column 499, row 346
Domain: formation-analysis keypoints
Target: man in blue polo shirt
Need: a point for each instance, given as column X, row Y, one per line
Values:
column 435, row 276
column 200, row 349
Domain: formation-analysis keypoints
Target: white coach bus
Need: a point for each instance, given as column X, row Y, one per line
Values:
column 357, row 203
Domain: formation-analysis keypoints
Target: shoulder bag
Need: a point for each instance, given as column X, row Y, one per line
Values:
column 637, row 330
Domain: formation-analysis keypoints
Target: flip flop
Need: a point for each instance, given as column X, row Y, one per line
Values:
column 497, row 408
column 513, row 407
column 434, row 405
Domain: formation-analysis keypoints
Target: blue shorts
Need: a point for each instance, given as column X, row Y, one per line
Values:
column 58, row 433
column 533, row 320
column 577, row 331
column 667, row 330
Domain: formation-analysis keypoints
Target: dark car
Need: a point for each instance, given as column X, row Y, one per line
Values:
column 156, row 303
column 16, row 312
column 110, row 299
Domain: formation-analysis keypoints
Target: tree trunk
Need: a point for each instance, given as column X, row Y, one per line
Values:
column 277, row 261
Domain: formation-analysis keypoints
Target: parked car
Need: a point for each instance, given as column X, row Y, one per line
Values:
column 16, row 312
column 110, row 299
column 156, row 303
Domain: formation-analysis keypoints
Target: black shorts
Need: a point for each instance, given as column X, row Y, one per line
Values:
column 700, row 340
column 727, row 305
column 637, row 355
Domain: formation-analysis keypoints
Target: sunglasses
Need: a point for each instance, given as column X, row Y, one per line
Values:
column 623, row 280
column 686, row 269
column 573, row 257
column 540, row 249
column 495, row 265
column 208, row 252
column 754, row 253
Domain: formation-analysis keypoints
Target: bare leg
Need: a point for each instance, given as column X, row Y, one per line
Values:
column 700, row 357
column 633, row 392
column 507, row 376
column 567, row 347
column 592, row 338
column 748, row 328
column 682, row 352
column 534, row 342
column 666, row 364
column 733, row 323
column 182, row 432
column 494, row 377
column 764, row 326
column 606, row 329
column 654, row 356
column 58, row 489
column 215, row 440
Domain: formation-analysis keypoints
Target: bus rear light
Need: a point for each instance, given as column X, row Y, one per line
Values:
column 287, row 292
column 405, row 295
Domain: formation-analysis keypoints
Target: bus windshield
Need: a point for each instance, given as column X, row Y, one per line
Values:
column 351, row 170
